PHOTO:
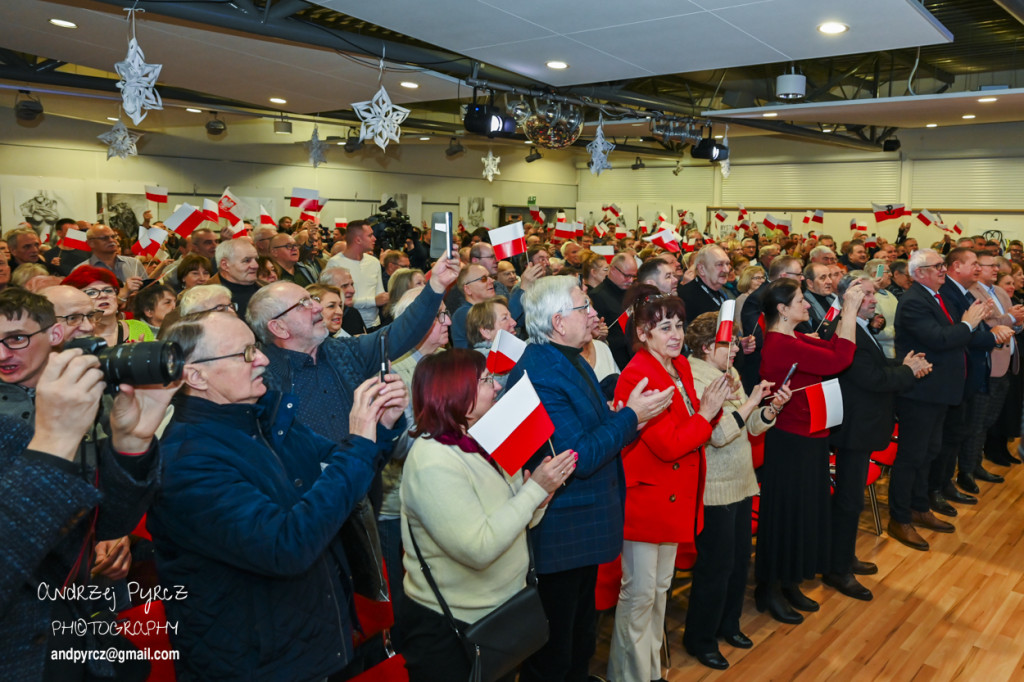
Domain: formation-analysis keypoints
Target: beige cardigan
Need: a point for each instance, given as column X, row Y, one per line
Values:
column 470, row 523
column 730, row 474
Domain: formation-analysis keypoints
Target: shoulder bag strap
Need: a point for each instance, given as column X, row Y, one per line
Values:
column 433, row 585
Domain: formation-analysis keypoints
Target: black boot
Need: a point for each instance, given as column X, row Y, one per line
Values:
column 799, row 600
column 769, row 598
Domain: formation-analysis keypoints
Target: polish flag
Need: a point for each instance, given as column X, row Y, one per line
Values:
column 515, row 427
column 75, row 239
column 613, row 209
column 721, row 216
column 508, row 241
column 777, row 224
column 743, row 225
column 623, row 319
column 761, row 325
column 210, row 210
column 885, row 212
column 666, row 239
column 266, row 218
column 563, row 231
column 642, row 225
column 230, row 207
column 306, row 215
column 535, row 213
column 239, row 230
column 958, row 227
column 601, row 228
column 305, row 198
column 825, row 401
column 815, row 216
column 621, row 232
column 580, row 229
column 560, row 217
column 833, row 310
column 854, row 225
column 341, row 222
column 871, row 242
column 742, row 211
column 506, row 349
column 726, row 315
column 927, row 217
column 184, row 220
column 156, row 193
column 607, row 251
column 149, row 242
column 686, row 218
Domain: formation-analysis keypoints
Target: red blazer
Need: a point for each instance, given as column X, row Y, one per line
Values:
column 665, row 465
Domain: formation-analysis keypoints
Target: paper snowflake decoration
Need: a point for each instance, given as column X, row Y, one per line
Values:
column 599, row 149
column 120, row 141
column 725, row 166
column 490, row 165
column 138, row 83
column 317, row 149
column 381, row 119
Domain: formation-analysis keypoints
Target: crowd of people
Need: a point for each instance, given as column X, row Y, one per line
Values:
column 317, row 444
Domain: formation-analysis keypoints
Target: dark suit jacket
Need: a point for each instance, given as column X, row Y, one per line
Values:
column 607, row 301
column 697, row 301
column 982, row 340
column 583, row 525
column 869, row 386
column 921, row 326
column 750, row 367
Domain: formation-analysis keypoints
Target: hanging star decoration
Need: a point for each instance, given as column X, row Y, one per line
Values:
column 599, row 149
column 490, row 165
column 317, row 149
column 120, row 141
column 381, row 119
column 138, row 83
column 725, row 166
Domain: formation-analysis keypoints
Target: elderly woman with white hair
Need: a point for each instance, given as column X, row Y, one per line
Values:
column 584, row 523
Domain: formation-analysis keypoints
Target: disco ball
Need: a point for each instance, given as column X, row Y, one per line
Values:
column 520, row 110
column 554, row 132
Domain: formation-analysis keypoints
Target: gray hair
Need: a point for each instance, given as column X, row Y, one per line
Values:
column 704, row 255
column 919, row 258
column 262, row 308
column 819, row 251
column 849, row 279
column 193, row 300
column 327, row 276
column 407, row 298
column 547, row 297
column 620, row 258
column 189, row 332
column 226, row 250
column 262, row 232
column 12, row 237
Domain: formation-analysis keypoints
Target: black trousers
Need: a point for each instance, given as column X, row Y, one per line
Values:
column 919, row 444
column 719, row 576
column 955, row 434
column 568, row 598
column 847, row 504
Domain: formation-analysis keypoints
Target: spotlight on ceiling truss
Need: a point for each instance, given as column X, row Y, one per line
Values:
column 534, row 155
column 638, row 164
column 454, row 148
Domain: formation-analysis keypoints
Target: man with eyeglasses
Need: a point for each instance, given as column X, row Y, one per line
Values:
column 608, row 300
column 127, row 269
column 284, row 252
column 238, row 263
column 251, row 505
column 358, row 259
column 476, row 286
column 927, row 322
column 55, row 513
column 74, row 311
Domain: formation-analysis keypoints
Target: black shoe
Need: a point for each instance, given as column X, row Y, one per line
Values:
column 848, row 585
column 966, row 483
column 1012, row 458
column 711, row 659
column 939, row 504
column 798, row 599
column 738, row 640
column 770, row 599
column 981, row 475
column 864, row 567
column 1001, row 457
column 953, row 495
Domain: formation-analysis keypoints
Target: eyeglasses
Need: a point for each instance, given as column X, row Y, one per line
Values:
column 19, row 341
column 793, row 275
column 285, row 246
column 248, row 354
column 224, row 308
column 305, row 302
column 489, row 379
column 96, row 293
column 625, row 275
column 939, row 267
column 484, row 278
column 443, row 316
column 75, row 319
column 585, row 308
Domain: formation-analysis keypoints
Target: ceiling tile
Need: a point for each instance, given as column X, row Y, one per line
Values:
column 586, row 64
column 572, row 16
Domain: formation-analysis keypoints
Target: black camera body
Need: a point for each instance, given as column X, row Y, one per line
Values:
column 391, row 227
column 136, row 364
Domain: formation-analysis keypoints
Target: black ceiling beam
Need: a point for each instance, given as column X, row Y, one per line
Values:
column 285, row 8
column 805, row 134
column 906, row 60
column 836, row 80
column 48, row 65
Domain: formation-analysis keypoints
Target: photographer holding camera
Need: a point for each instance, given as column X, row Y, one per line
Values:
column 62, row 491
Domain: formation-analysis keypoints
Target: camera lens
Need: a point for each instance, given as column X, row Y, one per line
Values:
column 142, row 364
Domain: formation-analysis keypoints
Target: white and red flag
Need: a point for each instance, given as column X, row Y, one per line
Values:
column 928, row 218
column 580, row 228
column 515, row 427
column 230, row 207
column 210, row 210
column 833, row 310
column 777, row 224
column 560, row 217
column 506, row 349
column 825, row 401
column 742, row 211
column 871, row 242
column 885, row 212
column 75, row 239
column 958, row 227
column 305, row 198
column 156, row 193
column 341, row 222
column 666, row 239
column 608, row 251
column 642, row 226
column 623, row 319
column 854, row 225
column 508, row 241
column 306, row 215
column 266, row 219
column 726, row 316
column 620, row 231
column 535, row 213
column 238, row 230
column 613, row 209
column 149, row 242
column 601, row 228
column 721, row 216
column 815, row 216
column 184, row 220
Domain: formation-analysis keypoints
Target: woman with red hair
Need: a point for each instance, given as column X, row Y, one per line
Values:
column 466, row 515
column 102, row 287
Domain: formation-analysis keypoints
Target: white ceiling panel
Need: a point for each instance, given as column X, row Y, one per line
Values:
column 652, row 37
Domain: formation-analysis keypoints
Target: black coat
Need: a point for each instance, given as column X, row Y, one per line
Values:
column 979, row 363
column 607, row 299
column 869, row 386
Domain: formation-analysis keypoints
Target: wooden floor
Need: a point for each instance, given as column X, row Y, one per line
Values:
column 952, row 613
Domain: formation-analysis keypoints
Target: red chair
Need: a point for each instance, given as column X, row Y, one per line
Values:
column 886, row 457
column 138, row 620
column 874, row 473
column 390, row 670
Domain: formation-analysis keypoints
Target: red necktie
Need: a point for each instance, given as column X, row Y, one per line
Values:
column 949, row 317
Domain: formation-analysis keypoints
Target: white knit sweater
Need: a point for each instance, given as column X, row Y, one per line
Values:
column 730, row 475
column 470, row 523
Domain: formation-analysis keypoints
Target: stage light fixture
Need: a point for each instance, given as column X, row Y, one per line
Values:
column 708, row 149
column 534, row 155
column 27, row 107
column 638, row 164
column 215, row 126
column 454, row 148
column 487, row 119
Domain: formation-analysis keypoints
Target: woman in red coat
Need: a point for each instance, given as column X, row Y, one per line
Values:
column 664, row 470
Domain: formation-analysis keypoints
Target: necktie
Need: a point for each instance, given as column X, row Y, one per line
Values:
column 938, row 297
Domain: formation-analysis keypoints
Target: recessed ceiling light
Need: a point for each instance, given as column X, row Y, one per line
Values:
column 988, row 99
column 636, row 124
column 63, row 23
column 555, row 64
column 833, row 28
column 527, row 142
column 770, row 114
column 931, row 125
column 112, row 118
column 409, row 84
column 424, row 138
column 192, row 110
column 278, row 100
column 967, row 116
column 719, row 137
column 827, row 129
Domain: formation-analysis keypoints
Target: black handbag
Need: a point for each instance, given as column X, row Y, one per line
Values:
column 497, row 643
column 361, row 540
